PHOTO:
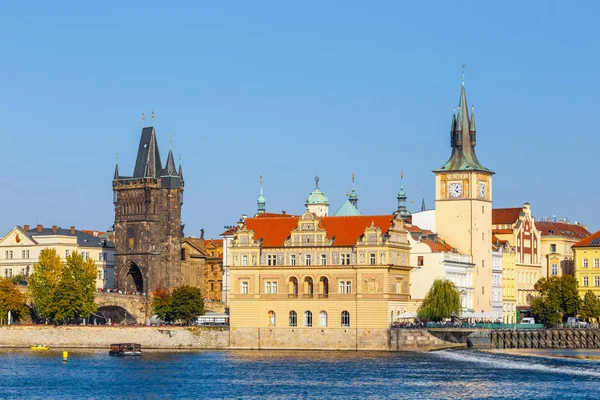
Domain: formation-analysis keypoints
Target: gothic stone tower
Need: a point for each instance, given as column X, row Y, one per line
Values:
column 463, row 203
column 148, row 229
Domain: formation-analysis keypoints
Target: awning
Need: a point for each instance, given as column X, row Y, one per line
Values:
column 407, row 315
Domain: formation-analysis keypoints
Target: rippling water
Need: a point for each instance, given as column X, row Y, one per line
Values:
column 286, row 375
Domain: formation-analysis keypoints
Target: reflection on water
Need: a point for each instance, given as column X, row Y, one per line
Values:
column 292, row 374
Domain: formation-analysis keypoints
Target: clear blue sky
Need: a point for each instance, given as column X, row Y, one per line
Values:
column 290, row 90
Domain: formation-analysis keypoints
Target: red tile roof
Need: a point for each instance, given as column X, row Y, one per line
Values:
column 230, row 231
column 216, row 242
column 501, row 231
column 347, row 230
column 437, row 246
column 274, row 215
column 587, row 242
column 505, row 215
column 550, row 228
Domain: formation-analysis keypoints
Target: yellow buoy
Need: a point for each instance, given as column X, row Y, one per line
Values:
column 65, row 356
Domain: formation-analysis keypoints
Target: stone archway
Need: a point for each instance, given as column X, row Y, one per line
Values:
column 131, row 278
column 112, row 315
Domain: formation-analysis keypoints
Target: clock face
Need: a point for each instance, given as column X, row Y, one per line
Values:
column 455, row 189
column 482, row 190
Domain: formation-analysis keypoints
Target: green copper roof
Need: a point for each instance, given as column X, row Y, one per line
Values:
column 463, row 138
column 316, row 196
column 347, row 210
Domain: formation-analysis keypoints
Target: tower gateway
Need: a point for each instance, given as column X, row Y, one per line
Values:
column 463, row 203
column 148, row 230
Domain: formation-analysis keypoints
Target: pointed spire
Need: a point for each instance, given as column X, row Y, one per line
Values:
column 353, row 197
column 170, row 166
column 423, row 204
column 180, row 169
column 117, row 168
column 261, row 202
column 402, row 211
column 152, row 168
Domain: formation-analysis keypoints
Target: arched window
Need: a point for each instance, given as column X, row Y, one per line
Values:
column 293, row 287
column 271, row 318
column 324, row 287
column 293, row 318
column 307, row 319
column 345, row 319
column 323, row 319
column 308, row 286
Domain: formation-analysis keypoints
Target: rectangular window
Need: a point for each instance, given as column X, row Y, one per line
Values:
column 67, row 252
column 244, row 287
column 274, row 287
column 244, row 261
column 552, row 248
column 345, row 287
column 99, row 274
column 8, row 254
column 268, row 287
column 293, row 259
column 372, row 258
column 597, row 281
column 420, row 261
column 585, row 263
column 554, row 269
column 323, row 259
column 585, row 281
column 272, row 259
column 596, row 263
column 307, row 259
column 345, row 259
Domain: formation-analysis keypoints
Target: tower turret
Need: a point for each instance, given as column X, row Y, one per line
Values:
column 261, row 202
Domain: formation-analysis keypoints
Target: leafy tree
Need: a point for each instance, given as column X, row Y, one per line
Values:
column 442, row 299
column 44, row 281
column 186, row 303
column 11, row 299
column 557, row 299
column 161, row 303
column 63, row 291
column 590, row 306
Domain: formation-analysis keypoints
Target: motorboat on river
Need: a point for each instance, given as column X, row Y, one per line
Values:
column 125, row 349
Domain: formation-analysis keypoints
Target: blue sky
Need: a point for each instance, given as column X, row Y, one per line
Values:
column 291, row 90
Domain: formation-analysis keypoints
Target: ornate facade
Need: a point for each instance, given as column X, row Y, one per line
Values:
column 587, row 264
column 558, row 237
column 148, row 229
column 309, row 281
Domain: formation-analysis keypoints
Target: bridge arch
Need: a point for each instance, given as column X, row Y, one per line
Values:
column 123, row 307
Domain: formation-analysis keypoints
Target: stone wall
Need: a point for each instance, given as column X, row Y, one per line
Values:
column 336, row 339
column 102, row 337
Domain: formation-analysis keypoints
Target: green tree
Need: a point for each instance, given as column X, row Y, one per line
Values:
column 557, row 299
column 590, row 306
column 186, row 303
column 442, row 299
column 11, row 299
column 74, row 296
column 44, row 281
column 161, row 303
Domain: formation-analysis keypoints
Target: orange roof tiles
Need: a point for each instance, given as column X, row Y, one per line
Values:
column 505, row 215
column 216, row 242
column 501, row 231
column 274, row 215
column 550, row 228
column 587, row 242
column 275, row 230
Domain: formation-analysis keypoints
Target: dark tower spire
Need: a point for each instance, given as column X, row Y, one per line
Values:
column 170, row 166
column 463, row 139
column 147, row 163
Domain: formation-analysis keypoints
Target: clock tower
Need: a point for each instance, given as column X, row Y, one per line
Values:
column 463, row 202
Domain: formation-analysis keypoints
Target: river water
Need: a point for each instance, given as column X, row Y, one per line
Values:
column 290, row 375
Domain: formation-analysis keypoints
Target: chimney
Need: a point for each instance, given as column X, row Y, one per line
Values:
column 72, row 230
column 39, row 228
column 26, row 227
column 54, row 229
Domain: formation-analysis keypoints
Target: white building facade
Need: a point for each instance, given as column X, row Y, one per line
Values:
column 497, row 284
column 21, row 247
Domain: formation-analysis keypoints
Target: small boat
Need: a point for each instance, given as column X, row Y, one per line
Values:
column 125, row 349
column 40, row 347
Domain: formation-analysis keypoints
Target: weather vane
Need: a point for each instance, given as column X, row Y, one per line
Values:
column 152, row 117
column 143, row 118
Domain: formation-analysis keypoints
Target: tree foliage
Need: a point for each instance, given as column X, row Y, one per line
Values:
column 442, row 299
column 63, row 292
column 590, row 306
column 184, row 304
column 557, row 299
column 11, row 299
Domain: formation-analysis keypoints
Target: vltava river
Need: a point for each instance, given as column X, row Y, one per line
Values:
column 290, row 375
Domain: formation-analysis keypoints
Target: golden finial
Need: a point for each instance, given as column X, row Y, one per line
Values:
column 143, row 118
column 347, row 193
column 152, row 117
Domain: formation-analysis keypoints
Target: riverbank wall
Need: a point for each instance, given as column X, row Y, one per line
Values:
column 102, row 336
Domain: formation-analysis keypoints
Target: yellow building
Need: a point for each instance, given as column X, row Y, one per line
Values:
column 558, row 237
column 463, row 203
column 317, row 281
column 202, row 267
column 586, row 254
column 509, row 287
column 516, row 229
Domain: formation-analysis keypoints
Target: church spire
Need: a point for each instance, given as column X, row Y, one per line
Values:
column 353, row 197
column 117, row 168
column 404, row 213
column 463, row 138
column 170, row 166
column 261, row 202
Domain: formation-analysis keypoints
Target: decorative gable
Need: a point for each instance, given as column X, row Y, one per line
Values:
column 17, row 237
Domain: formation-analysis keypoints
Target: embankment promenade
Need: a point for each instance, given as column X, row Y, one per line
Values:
column 198, row 338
